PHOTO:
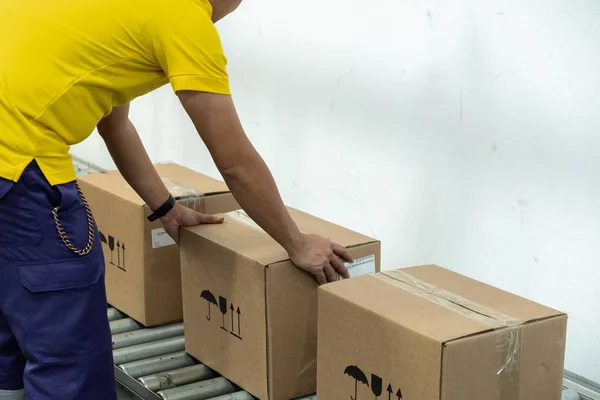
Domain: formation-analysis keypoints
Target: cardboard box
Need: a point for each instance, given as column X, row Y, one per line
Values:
column 426, row 333
column 143, row 277
column 249, row 313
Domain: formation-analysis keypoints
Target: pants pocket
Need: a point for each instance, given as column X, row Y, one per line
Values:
column 60, row 312
column 55, row 275
column 18, row 228
column 58, row 315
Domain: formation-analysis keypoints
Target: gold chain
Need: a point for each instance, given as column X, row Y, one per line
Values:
column 91, row 228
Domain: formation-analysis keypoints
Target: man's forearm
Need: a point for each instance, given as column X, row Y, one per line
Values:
column 253, row 186
column 131, row 158
column 243, row 169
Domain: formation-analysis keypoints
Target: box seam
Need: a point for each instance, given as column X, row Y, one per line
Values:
column 268, row 334
column 144, row 273
column 354, row 246
column 443, row 348
column 523, row 324
column 363, row 244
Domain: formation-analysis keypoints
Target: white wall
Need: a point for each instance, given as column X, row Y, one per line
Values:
column 462, row 132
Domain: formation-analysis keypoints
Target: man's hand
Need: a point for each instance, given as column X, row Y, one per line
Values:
column 183, row 216
column 322, row 258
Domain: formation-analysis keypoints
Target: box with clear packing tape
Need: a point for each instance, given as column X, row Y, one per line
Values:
column 143, row 277
column 427, row 333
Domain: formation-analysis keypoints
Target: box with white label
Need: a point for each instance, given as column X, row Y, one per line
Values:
column 143, row 277
column 249, row 313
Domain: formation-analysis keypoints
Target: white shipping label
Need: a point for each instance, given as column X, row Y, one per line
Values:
column 160, row 238
column 361, row 266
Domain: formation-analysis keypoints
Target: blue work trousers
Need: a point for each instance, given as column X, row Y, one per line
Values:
column 55, row 339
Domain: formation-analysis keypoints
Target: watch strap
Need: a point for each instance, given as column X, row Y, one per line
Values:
column 162, row 210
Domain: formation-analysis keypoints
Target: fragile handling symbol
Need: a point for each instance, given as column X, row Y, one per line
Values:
column 110, row 242
column 223, row 308
column 358, row 376
column 222, row 304
column 376, row 383
column 239, row 330
column 391, row 391
column 210, row 298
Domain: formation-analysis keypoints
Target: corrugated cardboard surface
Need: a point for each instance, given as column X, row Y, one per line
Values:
column 178, row 179
column 144, row 280
column 251, row 242
column 120, row 223
column 429, row 348
column 269, row 347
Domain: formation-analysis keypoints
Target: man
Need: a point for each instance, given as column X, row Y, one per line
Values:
column 66, row 67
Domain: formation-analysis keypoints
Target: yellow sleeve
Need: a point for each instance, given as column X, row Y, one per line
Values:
column 187, row 46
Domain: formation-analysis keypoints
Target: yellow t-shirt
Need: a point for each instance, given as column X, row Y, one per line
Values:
column 64, row 64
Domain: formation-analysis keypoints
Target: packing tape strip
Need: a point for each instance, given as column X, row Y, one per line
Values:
column 243, row 218
column 510, row 334
column 189, row 196
column 307, row 366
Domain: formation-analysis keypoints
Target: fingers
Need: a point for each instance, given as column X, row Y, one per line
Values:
column 330, row 273
column 341, row 252
column 339, row 266
column 173, row 231
column 321, row 278
column 208, row 219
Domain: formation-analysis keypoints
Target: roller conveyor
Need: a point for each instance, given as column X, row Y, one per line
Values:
column 152, row 364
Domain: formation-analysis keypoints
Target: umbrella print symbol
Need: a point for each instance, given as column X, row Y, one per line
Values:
column 210, row 298
column 354, row 372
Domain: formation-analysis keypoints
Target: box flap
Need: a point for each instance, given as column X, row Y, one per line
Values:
column 242, row 235
column 411, row 298
column 179, row 180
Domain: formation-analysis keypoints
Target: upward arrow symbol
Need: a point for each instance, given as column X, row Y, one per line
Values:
column 123, row 248
column 233, row 332
column 239, row 326
column 399, row 394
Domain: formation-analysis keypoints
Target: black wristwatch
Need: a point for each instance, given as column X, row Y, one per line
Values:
column 162, row 210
